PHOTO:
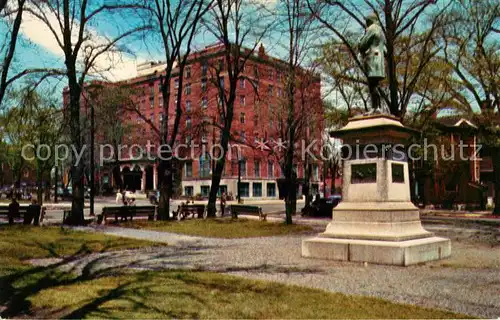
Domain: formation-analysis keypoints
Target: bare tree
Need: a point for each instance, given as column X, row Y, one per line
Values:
column 70, row 24
column 402, row 22
column 235, row 24
column 472, row 51
column 295, row 24
column 9, row 47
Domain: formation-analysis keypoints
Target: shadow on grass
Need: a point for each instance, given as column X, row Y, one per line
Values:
column 20, row 283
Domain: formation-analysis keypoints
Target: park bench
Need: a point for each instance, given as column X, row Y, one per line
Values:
column 4, row 212
column 244, row 209
column 185, row 210
column 126, row 212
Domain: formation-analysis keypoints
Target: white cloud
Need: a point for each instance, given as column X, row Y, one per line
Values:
column 112, row 66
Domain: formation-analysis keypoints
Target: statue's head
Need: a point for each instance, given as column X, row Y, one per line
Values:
column 371, row 19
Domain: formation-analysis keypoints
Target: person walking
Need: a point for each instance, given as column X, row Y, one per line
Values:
column 222, row 203
column 13, row 210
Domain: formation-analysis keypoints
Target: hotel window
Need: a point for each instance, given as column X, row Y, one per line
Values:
column 243, row 100
column 242, row 83
column 271, row 190
column 256, row 168
column 243, row 136
column 257, row 189
column 204, row 102
column 176, row 83
column 270, row 74
column 188, row 88
column 188, row 169
column 188, row 106
column 203, row 85
column 270, row 169
column 188, row 72
column 188, row 122
column 243, row 167
column 242, row 117
column 245, row 189
column 279, row 77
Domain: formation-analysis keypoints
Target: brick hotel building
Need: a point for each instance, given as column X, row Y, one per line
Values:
column 258, row 108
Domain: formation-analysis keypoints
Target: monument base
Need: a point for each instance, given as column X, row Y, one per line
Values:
column 401, row 253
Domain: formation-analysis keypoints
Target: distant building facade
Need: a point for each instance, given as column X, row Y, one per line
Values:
column 259, row 98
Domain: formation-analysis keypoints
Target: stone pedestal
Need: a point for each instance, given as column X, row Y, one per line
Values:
column 376, row 222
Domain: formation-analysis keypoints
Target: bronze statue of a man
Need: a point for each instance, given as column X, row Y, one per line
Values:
column 372, row 48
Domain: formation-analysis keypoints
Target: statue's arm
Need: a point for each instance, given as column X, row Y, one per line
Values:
column 366, row 41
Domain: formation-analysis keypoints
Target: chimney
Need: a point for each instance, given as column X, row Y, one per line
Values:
column 262, row 51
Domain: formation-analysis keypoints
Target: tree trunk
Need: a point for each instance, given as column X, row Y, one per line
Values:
column 77, row 204
column 165, row 169
column 495, row 157
column 219, row 166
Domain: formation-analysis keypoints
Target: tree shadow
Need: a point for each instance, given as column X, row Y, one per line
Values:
column 26, row 281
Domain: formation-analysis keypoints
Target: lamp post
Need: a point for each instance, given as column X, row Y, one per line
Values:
column 240, row 162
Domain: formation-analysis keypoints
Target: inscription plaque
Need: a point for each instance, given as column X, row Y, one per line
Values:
column 364, row 173
column 398, row 173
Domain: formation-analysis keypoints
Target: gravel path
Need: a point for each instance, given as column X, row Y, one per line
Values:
column 469, row 282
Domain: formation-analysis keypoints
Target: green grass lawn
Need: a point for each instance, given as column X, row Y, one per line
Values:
column 221, row 228
column 27, row 291
column 176, row 294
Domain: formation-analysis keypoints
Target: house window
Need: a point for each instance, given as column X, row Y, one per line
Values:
column 204, row 102
column 188, row 169
column 243, row 167
column 270, row 74
column 242, row 117
column 188, row 106
column 176, row 83
column 205, row 190
column 188, row 122
column 188, row 88
column 256, row 168
column 244, row 189
column 243, row 136
column 188, row 191
column 270, row 169
column 203, row 85
column 257, row 189
column 242, row 83
column 188, row 72
column 271, row 190
column 242, row 100
column 279, row 77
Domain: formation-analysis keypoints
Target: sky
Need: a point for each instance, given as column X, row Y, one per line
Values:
column 37, row 47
